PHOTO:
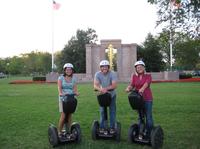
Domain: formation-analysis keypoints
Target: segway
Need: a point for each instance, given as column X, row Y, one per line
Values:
column 104, row 101
column 67, row 135
column 138, row 133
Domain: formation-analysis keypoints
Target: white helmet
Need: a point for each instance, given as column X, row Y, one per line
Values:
column 104, row 63
column 68, row 65
column 139, row 63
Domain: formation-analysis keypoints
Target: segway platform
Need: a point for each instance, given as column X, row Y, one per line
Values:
column 97, row 134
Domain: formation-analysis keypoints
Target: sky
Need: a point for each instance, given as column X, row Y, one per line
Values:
column 33, row 25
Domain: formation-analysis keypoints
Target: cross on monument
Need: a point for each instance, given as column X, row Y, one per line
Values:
column 110, row 55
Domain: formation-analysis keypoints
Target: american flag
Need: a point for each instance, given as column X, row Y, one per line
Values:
column 56, row 5
column 179, row 3
column 176, row 3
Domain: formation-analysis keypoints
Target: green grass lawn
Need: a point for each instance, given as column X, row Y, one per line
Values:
column 27, row 110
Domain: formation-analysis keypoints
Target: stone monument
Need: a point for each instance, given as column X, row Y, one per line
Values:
column 125, row 58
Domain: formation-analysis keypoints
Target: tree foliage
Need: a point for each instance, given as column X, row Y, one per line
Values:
column 179, row 15
column 187, row 54
column 75, row 51
column 163, row 40
column 37, row 62
column 150, row 53
column 26, row 64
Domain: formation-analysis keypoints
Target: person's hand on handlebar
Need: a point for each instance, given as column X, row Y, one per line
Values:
column 141, row 91
column 61, row 94
column 76, row 94
column 128, row 89
column 103, row 90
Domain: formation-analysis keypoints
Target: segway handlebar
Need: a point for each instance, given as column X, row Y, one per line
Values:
column 68, row 95
column 136, row 91
column 108, row 90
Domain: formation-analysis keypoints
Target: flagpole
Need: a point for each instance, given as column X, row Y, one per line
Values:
column 170, row 38
column 52, row 42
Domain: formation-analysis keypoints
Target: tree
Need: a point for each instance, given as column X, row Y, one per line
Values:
column 180, row 15
column 15, row 66
column 187, row 54
column 75, row 51
column 3, row 65
column 37, row 62
column 163, row 40
column 150, row 53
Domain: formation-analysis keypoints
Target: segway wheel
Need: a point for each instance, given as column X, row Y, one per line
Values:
column 133, row 133
column 95, row 128
column 76, row 130
column 53, row 135
column 118, row 132
column 157, row 136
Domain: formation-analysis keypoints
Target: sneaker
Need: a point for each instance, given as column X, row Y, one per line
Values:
column 101, row 130
column 112, row 131
column 60, row 135
column 140, row 137
column 72, row 135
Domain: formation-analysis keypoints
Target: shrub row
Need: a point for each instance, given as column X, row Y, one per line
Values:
column 185, row 76
column 40, row 78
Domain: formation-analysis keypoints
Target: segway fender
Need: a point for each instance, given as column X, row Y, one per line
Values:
column 118, row 132
column 157, row 136
column 95, row 128
column 53, row 135
column 133, row 133
column 76, row 130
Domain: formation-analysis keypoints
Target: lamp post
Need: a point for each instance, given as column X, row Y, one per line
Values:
column 7, row 68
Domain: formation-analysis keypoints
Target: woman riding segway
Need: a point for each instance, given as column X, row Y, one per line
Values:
column 66, row 86
column 141, row 99
column 67, row 89
column 141, row 82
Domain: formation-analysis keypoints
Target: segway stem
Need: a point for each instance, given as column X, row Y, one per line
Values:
column 105, row 117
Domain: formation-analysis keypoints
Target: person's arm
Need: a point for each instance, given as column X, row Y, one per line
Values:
column 75, row 90
column 97, row 85
column 130, row 86
column 112, row 86
column 60, row 87
column 146, row 84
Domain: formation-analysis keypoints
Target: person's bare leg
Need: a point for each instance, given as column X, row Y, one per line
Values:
column 69, row 121
column 61, row 122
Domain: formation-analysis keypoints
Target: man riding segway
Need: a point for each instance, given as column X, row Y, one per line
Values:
column 105, row 82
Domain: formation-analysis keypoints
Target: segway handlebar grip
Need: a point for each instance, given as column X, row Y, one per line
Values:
column 108, row 90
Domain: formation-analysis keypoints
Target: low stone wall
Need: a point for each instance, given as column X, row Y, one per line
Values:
column 166, row 75
column 52, row 77
column 83, row 78
column 158, row 76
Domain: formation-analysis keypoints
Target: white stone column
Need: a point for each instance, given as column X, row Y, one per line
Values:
column 88, row 61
